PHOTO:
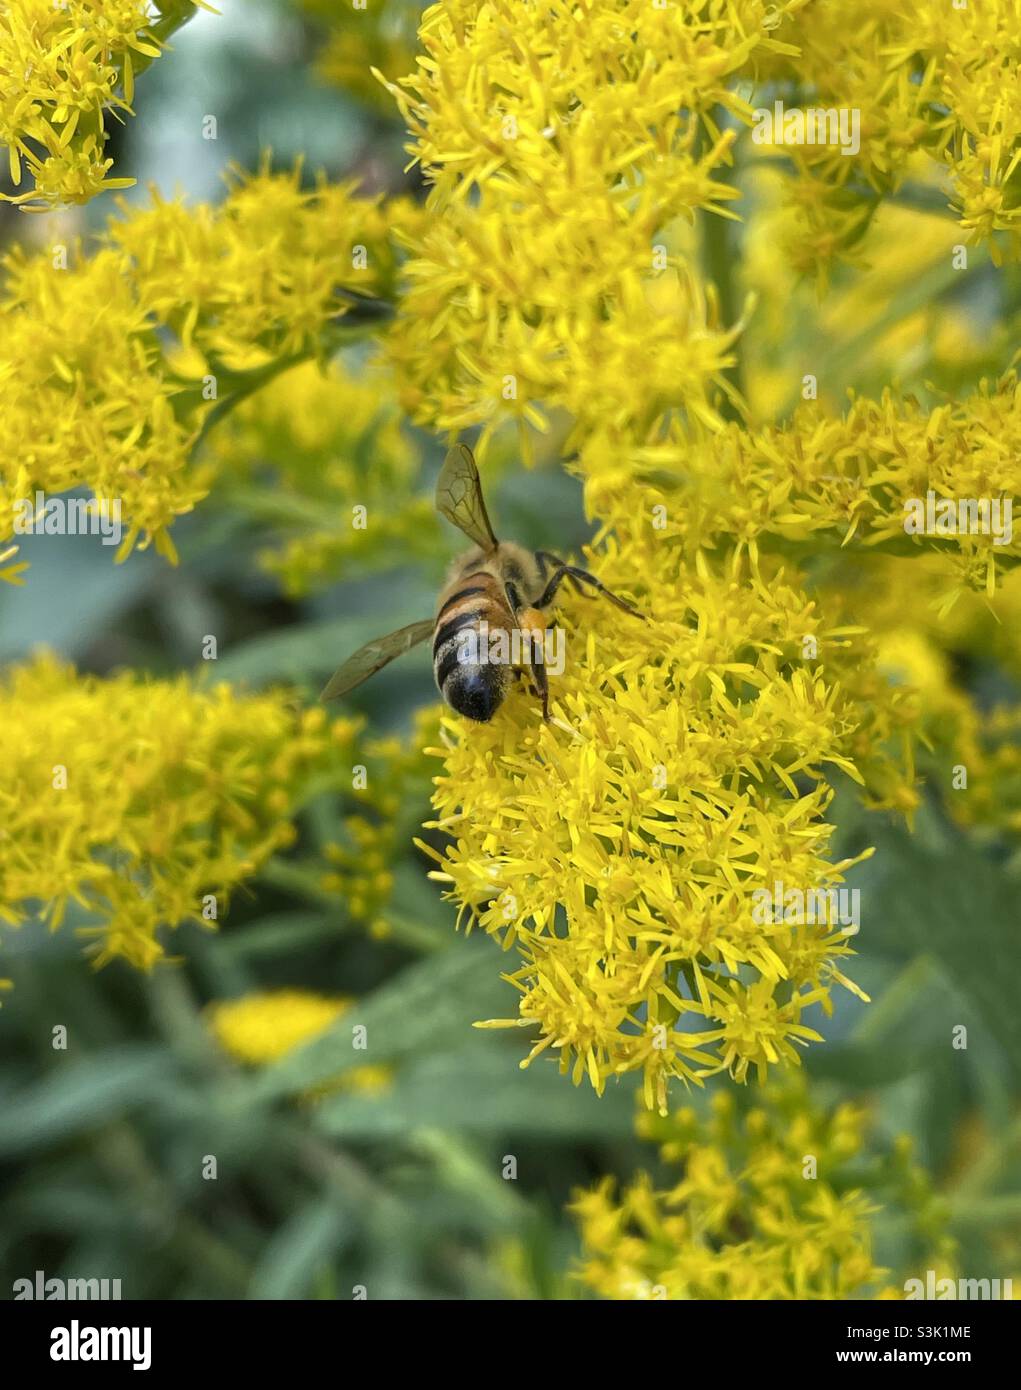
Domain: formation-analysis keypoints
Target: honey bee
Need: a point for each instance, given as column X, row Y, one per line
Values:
column 497, row 583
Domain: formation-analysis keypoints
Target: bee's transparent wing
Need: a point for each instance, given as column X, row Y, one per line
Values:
column 374, row 656
column 459, row 497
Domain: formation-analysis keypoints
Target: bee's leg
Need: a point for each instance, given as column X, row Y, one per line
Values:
column 549, row 593
column 579, row 577
column 538, row 669
column 513, row 596
column 538, row 684
column 547, row 562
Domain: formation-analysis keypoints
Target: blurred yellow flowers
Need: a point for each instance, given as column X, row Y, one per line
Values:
column 259, row 1029
column 346, row 495
column 145, row 803
column 771, row 1205
column 559, row 143
column 972, row 756
column 825, row 482
column 396, row 782
column 373, row 33
column 942, row 79
column 112, row 362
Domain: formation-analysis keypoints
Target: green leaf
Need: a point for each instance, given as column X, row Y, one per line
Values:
column 430, row 1006
column 307, row 654
column 81, row 1096
column 276, row 934
column 482, row 1090
column 951, row 903
column 67, row 1210
column 302, row 655
column 864, row 1065
column 297, row 1251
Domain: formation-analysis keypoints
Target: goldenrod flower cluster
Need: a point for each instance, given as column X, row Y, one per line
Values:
column 973, row 758
column 691, row 757
column 89, row 398
column 688, row 763
column 823, row 481
column 145, row 803
column 110, row 364
column 931, row 79
column 66, row 68
column 772, row 1203
column 319, row 456
column 263, row 273
column 560, row 141
column 258, row 1029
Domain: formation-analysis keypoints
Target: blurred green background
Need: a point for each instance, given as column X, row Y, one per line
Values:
column 402, row 1192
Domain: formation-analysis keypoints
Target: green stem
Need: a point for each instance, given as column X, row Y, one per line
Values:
column 245, row 384
column 718, row 250
column 173, row 1009
column 922, row 293
column 719, row 256
column 301, row 882
column 121, row 1153
column 412, row 934
column 174, row 15
column 463, row 1171
column 249, row 382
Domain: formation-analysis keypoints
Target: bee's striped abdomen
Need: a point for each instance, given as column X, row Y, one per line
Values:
column 473, row 687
